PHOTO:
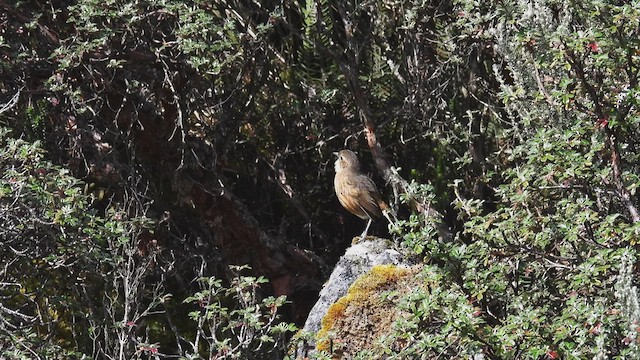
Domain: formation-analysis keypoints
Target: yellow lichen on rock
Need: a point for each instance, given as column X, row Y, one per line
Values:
column 357, row 319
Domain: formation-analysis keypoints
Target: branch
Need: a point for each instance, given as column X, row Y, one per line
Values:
column 621, row 189
column 27, row 318
column 381, row 160
column 51, row 35
column 610, row 140
column 347, row 61
column 541, row 88
column 11, row 103
column 287, row 189
column 576, row 65
column 174, row 94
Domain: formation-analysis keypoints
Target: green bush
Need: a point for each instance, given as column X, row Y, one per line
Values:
column 75, row 284
column 517, row 120
column 235, row 323
column 543, row 267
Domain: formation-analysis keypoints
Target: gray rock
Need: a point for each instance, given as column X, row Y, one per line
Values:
column 358, row 259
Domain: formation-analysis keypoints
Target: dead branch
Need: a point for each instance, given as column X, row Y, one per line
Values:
column 348, row 63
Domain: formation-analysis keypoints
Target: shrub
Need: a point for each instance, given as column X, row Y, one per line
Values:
column 234, row 322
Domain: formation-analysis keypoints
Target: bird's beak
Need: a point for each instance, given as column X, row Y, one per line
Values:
column 336, row 153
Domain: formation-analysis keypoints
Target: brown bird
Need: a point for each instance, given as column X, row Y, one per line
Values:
column 356, row 191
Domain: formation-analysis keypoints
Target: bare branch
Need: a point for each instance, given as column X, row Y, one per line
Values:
column 11, row 103
column 621, row 189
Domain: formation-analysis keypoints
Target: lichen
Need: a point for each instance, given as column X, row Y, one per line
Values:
column 354, row 321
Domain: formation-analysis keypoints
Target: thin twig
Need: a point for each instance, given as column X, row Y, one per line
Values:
column 11, row 103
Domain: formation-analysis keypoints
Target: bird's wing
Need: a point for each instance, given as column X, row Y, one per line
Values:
column 358, row 194
column 368, row 196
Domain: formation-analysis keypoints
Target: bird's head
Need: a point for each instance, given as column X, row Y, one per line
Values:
column 347, row 160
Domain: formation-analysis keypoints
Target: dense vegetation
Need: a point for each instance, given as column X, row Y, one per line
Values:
column 151, row 149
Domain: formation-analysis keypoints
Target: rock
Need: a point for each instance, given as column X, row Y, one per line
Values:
column 358, row 259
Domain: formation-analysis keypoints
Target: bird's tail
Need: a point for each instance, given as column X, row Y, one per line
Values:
column 388, row 212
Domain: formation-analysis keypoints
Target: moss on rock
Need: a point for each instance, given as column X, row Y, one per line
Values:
column 354, row 322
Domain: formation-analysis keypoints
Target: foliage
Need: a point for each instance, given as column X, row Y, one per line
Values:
column 251, row 331
column 77, row 284
column 537, row 265
column 516, row 120
column 69, row 274
column 42, row 207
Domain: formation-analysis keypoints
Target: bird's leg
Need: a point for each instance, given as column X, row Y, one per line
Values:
column 391, row 218
column 364, row 233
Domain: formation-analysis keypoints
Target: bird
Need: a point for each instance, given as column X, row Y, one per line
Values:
column 356, row 191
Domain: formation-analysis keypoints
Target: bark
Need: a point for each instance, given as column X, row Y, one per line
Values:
column 380, row 158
